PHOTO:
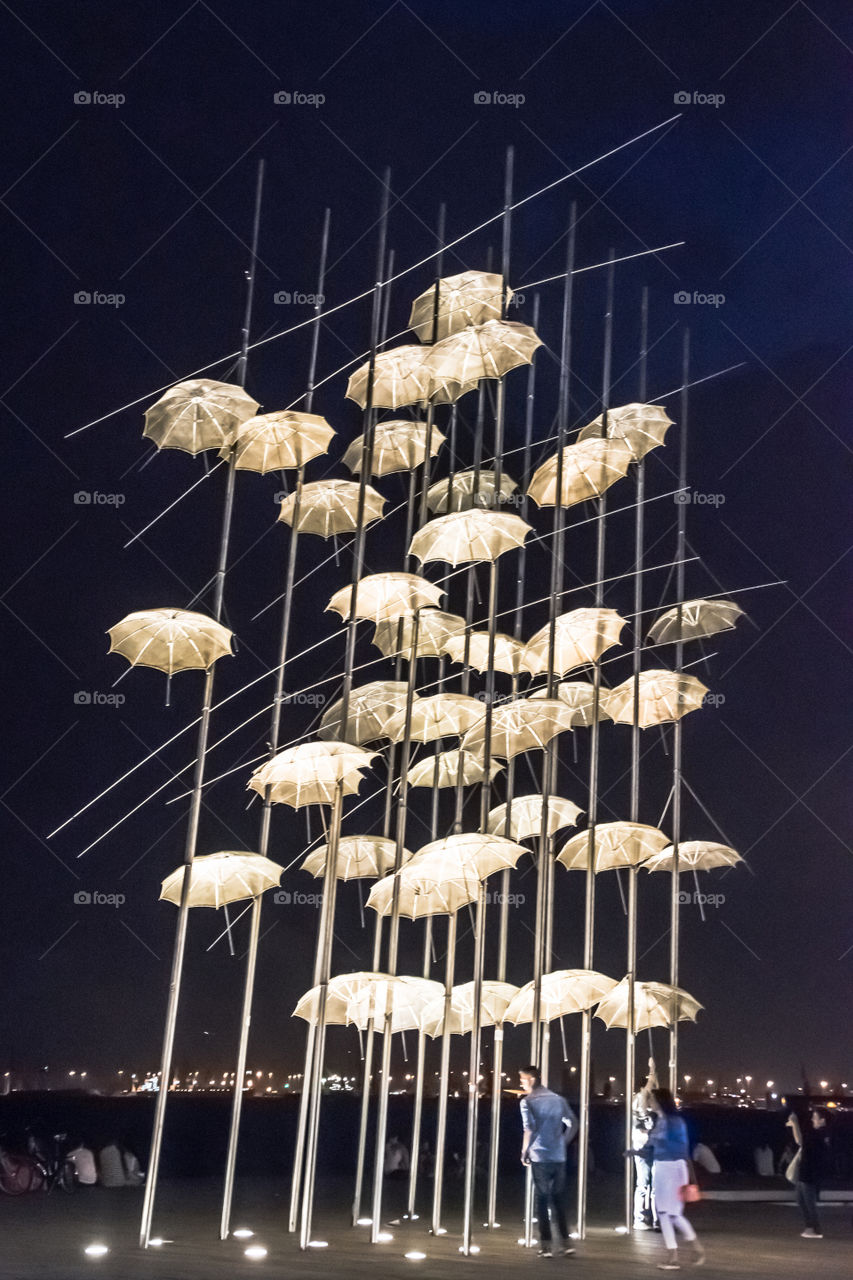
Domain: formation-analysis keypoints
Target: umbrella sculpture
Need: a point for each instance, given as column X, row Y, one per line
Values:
column 170, row 640
column 341, row 991
column 219, row 878
column 369, row 707
column 656, row 1004
column 464, row 536
column 582, row 636
column 564, row 991
column 197, row 415
column 589, row 468
column 447, row 769
column 523, row 725
column 329, row 507
column 473, row 650
column 470, row 298
column 311, row 772
column 466, row 489
column 393, row 1004
column 418, row 898
column 393, row 638
column 663, row 696
column 526, row 816
column 398, row 445
column 459, row 1019
column 580, row 696
column 382, row 596
column 487, row 350
column 401, row 376
column 617, row 844
column 694, row 855
column 358, row 858
column 642, row 427
column 279, row 441
column 695, row 620
column 441, row 715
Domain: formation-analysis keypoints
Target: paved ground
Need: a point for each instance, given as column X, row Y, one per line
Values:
column 43, row 1239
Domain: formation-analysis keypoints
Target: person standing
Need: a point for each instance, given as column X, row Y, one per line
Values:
column 670, row 1175
column 549, row 1126
column 642, row 1120
column 809, row 1165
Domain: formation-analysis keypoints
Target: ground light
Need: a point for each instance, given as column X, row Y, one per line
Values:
column 415, row 1255
column 364, row 1222
column 384, row 1236
column 255, row 1252
column 475, row 1248
column 96, row 1250
column 242, row 1233
column 318, row 1244
column 621, row 1231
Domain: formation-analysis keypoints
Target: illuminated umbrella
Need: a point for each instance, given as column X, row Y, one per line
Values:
column 471, row 853
column 277, row 441
column 359, row 858
column 580, row 696
column 487, row 350
column 526, row 816
column 467, row 489
column 467, row 536
column 589, row 468
column 397, row 446
column 699, row 618
column 170, row 640
column 523, row 725
column 617, row 844
column 401, row 376
column 328, row 507
column 417, row 899
column 198, row 414
column 423, row 774
column 656, row 1004
column 663, row 696
column 694, row 855
column 493, row 1005
column 370, row 705
column 401, row 998
column 441, row 715
column 564, row 991
column 341, row 991
column 508, row 654
column 435, row 629
column 310, row 773
column 641, row 426
column 381, row 596
column 471, row 297
column 219, row 878
column 581, row 637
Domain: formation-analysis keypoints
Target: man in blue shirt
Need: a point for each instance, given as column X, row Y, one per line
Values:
column 549, row 1126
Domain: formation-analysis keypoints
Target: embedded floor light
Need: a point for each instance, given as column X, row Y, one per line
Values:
column 364, row 1222
column 242, row 1233
column 255, row 1252
column 384, row 1236
column 318, row 1244
column 415, row 1255
column 96, row 1250
column 441, row 1231
column 621, row 1231
column 475, row 1248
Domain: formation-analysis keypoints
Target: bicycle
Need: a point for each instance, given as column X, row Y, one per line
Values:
column 53, row 1163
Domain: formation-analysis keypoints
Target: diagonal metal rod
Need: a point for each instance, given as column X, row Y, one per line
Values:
column 198, row 777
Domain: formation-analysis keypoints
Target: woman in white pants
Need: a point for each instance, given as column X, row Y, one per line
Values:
column 670, row 1174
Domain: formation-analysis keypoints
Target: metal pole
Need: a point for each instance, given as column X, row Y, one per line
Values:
column 677, row 728
column 198, row 777
column 444, row 1077
column 589, row 904
column 266, row 812
column 631, row 967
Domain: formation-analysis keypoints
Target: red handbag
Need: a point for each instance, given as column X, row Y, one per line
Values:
column 690, row 1192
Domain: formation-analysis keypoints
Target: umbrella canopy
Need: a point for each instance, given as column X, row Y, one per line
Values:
column 663, row 696
column 340, row 992
column 641, row 426
column 467, row 489
column 471, row 297
column 401, row 376
column 580, row 696
column 694, row 855
column 198, row 414
column 381, row 596
column 617, row 844
column 442, row 715
column 328, row 507
column 359, row 858
column 418, row 899
column 397, row 446
column 310, row 773
column 487, row 350
column 563, row 991
column 466, row 536
column 589, row 468
column 370, row 705
column 277, row 441
column 699, row 618
column 403, row 997
column 526, row 816
column 170, row 640
column 656, row 1004
column 469, row 854
column 219, row 878
column 523, row 725
column 473, row 770
column 493, row 1004
column 508, row 653
column 581, row 637
column 435, row 629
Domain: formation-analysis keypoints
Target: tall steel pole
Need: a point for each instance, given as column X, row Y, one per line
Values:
column 198, row 776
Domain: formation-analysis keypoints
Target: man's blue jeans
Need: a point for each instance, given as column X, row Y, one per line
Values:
column 549, row 1184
